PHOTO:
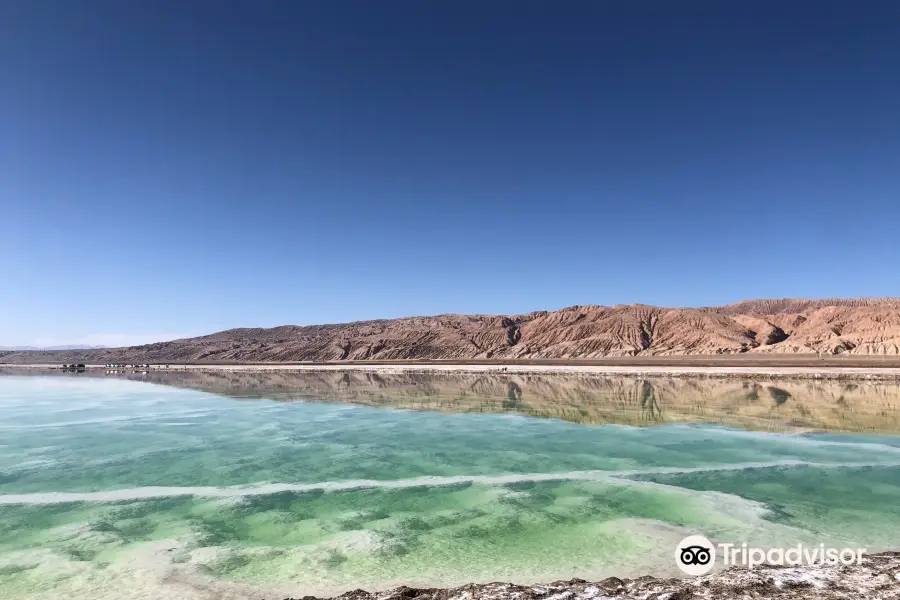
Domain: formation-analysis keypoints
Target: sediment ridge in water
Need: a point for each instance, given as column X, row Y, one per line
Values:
column 878, row 577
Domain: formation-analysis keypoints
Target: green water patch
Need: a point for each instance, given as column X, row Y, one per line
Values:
column 447, row 534
column 376, row 444
column 856, row 506
column 454, row 533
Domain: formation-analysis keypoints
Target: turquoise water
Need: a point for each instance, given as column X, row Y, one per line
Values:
column 174, row 493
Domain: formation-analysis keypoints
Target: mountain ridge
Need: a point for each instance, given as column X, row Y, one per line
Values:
column 852, row 326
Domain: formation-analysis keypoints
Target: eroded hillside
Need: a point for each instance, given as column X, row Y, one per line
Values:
column 867, row 326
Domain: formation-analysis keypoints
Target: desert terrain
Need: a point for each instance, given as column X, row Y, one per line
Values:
column 767, row 331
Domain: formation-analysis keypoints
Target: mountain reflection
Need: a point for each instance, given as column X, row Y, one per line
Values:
column 762, row 404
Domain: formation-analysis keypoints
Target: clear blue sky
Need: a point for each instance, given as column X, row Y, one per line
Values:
column 181, row 167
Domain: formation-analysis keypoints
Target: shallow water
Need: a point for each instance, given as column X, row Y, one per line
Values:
column 172, row 492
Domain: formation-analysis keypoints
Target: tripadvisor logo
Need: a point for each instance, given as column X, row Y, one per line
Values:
column 696, row 555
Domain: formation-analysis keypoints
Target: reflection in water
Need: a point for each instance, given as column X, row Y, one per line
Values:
column 763, row 404
column 107, row 484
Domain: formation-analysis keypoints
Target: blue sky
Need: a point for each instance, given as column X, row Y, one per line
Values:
column 180, row 167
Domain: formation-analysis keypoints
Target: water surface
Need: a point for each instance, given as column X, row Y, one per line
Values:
column 274, row 484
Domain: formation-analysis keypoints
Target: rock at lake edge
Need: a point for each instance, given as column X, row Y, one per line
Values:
column 877, row 578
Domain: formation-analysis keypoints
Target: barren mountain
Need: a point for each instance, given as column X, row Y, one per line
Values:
column 865, row 326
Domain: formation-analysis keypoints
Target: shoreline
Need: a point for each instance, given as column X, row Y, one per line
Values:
column 669, row 370
column 877, row 577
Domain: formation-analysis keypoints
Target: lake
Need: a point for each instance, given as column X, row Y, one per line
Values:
column 248, row 485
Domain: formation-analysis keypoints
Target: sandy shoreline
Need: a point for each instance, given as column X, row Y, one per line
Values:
column 791, row 371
